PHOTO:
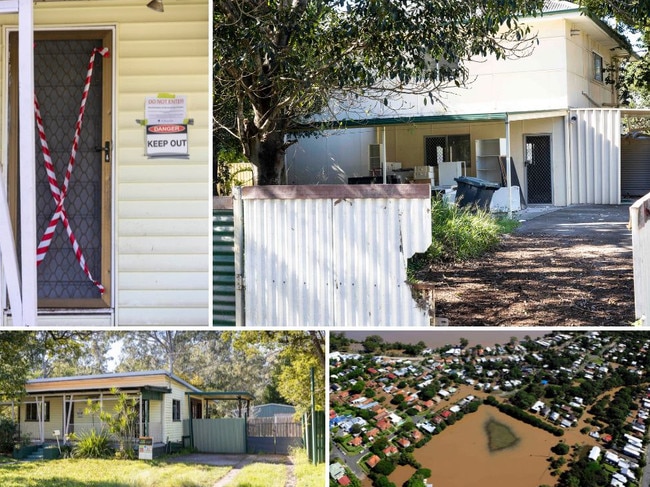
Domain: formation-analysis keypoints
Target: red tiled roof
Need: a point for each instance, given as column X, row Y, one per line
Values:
column 372, row 461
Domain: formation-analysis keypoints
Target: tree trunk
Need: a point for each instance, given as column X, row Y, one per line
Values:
column 266, row 153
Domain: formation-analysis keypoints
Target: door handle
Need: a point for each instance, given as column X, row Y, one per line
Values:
column 106, row 150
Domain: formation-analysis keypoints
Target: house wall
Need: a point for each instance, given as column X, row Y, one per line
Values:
column 580, row 69
column 31, row 428
column 330, row 158
column 162, row 224
column 174, row 429
column 405, row 144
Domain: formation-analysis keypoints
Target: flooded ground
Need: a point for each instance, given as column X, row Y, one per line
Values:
column 460, row 456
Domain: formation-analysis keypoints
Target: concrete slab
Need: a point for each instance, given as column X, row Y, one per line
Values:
column 601, row 224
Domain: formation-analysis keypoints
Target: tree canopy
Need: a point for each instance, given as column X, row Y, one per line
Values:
column 271, row 365
column 277, row 64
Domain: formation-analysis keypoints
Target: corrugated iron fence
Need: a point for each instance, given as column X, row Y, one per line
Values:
column 327, row 255
column 224, row 435
column 594, row 166
column 223, row 263
column 640, row 222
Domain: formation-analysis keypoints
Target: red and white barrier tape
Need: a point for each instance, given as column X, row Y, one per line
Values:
column 59, row 194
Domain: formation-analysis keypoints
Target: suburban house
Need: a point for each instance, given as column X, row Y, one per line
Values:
column 60, row 405
column 554, row 113
column 118, row 206
column 53, row 408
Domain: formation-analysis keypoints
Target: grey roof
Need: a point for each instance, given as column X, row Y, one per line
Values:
column 116, row 375
column 559, row 6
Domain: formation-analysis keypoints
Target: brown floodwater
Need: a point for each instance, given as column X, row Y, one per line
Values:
column 459, row 456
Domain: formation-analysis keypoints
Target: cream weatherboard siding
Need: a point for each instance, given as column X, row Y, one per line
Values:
column 161, row 425
column 174, row 429
column 161, row 207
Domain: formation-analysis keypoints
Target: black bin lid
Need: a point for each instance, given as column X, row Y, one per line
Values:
column 479, row 183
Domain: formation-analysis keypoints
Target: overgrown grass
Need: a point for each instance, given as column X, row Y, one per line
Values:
column 108, row 473
column 307, row 474
column 461, row 234
column 261, row 475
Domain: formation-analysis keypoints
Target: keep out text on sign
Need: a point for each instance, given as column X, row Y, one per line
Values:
column 167, row 140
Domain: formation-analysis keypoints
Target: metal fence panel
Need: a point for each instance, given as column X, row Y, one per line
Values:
column 223, row 264
column 333, row 255
column 226, row 435
column 640, row 222
column 595, row 163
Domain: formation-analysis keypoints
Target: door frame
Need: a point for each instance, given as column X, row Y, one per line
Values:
column 550, row 153
column 107, row 36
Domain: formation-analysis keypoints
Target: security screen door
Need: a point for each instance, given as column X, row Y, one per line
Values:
column 538, row 168
column 79, row 248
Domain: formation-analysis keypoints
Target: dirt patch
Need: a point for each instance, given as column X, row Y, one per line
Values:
column 542, row 277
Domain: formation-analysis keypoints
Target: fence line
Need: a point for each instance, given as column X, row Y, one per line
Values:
column 639, row 221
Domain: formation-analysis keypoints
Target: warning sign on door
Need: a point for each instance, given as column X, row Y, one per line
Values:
column 167, row 140
column 166, row 123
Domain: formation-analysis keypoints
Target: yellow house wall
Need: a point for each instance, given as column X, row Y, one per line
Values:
column 405, row 144
column 161, row 209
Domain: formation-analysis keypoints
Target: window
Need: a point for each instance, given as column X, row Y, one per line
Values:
column 598, row 68
column 446, row 148
column 31, row 411
column 176, row 410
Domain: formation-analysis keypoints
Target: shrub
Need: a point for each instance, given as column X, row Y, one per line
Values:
column 91, row 444
column 460, row 233
column 7, row 434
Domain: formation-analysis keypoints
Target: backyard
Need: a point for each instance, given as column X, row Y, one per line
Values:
column 572, row 267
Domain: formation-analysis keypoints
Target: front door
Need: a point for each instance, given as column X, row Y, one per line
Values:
column 537, row 155
column 74, row 244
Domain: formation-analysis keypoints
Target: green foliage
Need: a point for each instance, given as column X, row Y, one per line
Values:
column 561, row 448
column 517, row 413
column 384, row 467
column 122, row 423
column 459, row 234
column 92, row 444
column 231, row 169
column 276, row 64
column 7, row 435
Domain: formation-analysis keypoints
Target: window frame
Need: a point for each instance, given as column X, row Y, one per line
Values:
column 598, row 74
column 31, row 412
column 176, row 410
column 450, row 139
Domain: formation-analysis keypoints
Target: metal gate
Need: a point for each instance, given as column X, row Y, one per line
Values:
column 537, row 155
column 223, row 435
column 276, row 435
column 635, row 166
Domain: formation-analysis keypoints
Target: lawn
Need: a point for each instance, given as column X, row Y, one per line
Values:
column 261, row 475
column 108, row 473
